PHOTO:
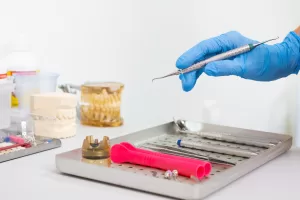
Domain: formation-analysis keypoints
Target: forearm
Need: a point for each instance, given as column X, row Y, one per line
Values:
column 297, row 30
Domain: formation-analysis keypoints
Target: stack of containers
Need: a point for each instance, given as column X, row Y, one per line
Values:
column 20, row 68
column 21, row 61
column 6, row 88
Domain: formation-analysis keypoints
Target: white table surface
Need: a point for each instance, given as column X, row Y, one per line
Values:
column 35, row 177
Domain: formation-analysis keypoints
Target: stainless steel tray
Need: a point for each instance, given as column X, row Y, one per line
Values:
column 43, row 144
column 153, row 181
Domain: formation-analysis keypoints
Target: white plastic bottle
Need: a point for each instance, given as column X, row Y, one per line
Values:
column 21, row 61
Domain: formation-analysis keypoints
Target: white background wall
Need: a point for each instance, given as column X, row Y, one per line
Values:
column 133, row 41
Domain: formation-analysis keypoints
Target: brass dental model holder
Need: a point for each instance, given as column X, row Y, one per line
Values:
column 93, row 149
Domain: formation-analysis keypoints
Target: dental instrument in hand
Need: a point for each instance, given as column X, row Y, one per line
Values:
column 222, row 56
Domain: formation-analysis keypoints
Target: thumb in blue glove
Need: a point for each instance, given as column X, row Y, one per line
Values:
column 264, row 63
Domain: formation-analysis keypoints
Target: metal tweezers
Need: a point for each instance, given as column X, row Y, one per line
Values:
column 185, row 153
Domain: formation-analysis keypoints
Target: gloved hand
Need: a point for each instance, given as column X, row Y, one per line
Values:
column 264, row 63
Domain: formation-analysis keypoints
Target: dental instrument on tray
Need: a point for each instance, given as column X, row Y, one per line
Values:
column 13, row 143
column 224, row 137
column 222, row 56
column 207, row 165
column 15, row 139
column 186, row 153
column 121, row 154
column 6, row 149
column 18, row 144
column 25, row 145
column 216, row 148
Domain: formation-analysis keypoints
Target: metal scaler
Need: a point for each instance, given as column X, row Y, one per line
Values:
column 226, row 137
column 187, row 153
column 216, row 148
column 222, row 56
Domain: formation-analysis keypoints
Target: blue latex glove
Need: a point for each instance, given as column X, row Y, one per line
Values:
column 264, row 63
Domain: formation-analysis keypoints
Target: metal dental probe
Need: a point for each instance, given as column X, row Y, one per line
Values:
column 191, row 153
column 178, row 152
column 216, row 148
column 222, row 56
column 224, row 137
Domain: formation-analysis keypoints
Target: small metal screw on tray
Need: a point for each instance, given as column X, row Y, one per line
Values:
column 171, row 174
column 168, row 174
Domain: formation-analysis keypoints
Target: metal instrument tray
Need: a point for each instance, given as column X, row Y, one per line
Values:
column 43, row 144
column 153, row 181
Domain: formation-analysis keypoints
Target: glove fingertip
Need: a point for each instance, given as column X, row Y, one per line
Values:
column 187, row 87
column 188, row 81
column 181, row 63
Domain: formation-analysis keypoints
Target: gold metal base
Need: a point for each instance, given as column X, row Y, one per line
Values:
column 106, row 162
column 93, row 149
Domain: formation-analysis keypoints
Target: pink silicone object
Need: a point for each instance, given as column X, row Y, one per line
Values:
column 16, row 139
column 207, row 165
column 121, row 154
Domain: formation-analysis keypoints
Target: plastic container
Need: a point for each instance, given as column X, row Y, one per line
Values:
column 21, row 61
column 17, row 117
column 47, row 82
column 6, row 87
column 27, row 85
